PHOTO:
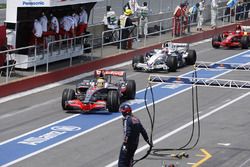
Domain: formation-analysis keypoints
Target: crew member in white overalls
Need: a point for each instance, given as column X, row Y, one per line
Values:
column 37, row 33
column 133, row 6
column 110, row 21
column 214, row 6
column 143, row 15
column 200, row 15
column 44, row 22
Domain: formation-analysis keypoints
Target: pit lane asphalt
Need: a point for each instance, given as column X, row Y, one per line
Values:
column 101, row 146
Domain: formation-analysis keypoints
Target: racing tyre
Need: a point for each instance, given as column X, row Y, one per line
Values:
column 216, row 39
column 191, row 58
column 172, row 63
column 244, row 42
column 136, row 60
column 113, row 101
column 130, row 90
column 68, row 94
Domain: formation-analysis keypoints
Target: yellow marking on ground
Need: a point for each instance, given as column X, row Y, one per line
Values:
column 206, row 157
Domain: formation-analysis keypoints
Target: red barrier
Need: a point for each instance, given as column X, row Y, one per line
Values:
column 43, row 79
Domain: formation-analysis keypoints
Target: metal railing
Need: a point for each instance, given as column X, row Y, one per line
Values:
column 232, row 15
column 11, row 55
column 115, row 37
column 164, row 22
column 70, row 46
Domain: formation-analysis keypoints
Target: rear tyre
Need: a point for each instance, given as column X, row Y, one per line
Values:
column 172, row 63
column 113, row 101
column 216, row 39
column 68, row 94
column 130, row 90
column 244, row 42
column 136, row 60
column 191, row 58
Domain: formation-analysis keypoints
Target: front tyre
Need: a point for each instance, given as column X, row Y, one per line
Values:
column 68, row 94
column 172, row 63
column 136, row 60
column 215, row 41
column 113, row 101
column 244, row 42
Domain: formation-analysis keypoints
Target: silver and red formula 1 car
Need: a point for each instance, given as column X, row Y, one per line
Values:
column 101, row 93
column 170, row 57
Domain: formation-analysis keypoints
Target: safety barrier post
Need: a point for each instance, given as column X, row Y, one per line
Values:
column 145, row 36
column 160, row 32
column 35, row 52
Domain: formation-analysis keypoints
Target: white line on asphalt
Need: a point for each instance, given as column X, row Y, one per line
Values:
column 242, row 165
column 185, row 126
column 72, row 79
column 224, row 144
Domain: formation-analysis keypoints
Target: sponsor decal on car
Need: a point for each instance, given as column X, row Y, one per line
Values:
column 56, row 131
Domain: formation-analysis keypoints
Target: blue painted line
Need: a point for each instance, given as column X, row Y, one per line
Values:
column 41, row 139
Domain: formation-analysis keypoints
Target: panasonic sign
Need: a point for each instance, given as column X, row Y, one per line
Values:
column 56, row 131
column 36, row 3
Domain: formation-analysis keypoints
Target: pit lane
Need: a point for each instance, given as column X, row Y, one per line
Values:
column 100, row 147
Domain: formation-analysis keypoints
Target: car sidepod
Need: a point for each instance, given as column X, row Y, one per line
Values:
column 172, row 63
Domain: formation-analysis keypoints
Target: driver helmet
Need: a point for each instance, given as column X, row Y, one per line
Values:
column 100, row 83
column 128, row 12
column 125, row 109
column 238, row 28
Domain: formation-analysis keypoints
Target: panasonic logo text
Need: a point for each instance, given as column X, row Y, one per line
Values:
column 38, row 3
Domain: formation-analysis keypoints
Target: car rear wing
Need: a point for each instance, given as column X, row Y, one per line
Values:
column 175, row 46
column 110, row 73
column 181, row 47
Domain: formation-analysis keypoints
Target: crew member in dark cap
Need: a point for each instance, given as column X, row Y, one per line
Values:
column 132, row 129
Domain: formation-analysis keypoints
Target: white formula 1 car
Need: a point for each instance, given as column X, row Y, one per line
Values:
column 169, row 58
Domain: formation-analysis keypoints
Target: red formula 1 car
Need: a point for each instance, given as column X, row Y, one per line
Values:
column 238, row 38
column 100, row 93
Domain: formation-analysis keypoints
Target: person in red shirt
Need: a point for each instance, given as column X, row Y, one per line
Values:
column 3, row 55
column 3, row 59
column 180, row 19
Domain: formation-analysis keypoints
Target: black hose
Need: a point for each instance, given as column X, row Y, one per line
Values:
column 152, row 116
column 152, row 120
column 184, row 147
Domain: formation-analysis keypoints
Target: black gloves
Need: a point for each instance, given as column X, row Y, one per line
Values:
column 124, row 147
